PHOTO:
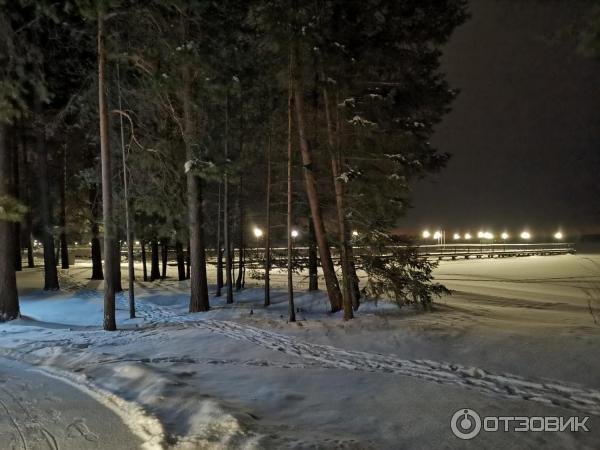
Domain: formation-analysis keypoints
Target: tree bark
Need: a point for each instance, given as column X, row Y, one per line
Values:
column 9, row 300
column 128, row 225
column 198, row 281
column 107, row 203
column 290, row 190
column 117, row 266
column 313, row 260
column 331, row 281
column 97, row 273
column 188, row 262
column 239, row 283
column 180, row 260
column 219, row 249
column 268, row 230
column 144, row 262
column 226, row 225
column 334, row 150
column 165, row 258
column 17, row 148
column 64, row 250
column 50, row 272
column 155, row 268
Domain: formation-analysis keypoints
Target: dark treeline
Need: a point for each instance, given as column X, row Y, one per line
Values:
column 182, row 125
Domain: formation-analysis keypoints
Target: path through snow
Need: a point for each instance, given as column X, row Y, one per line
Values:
column 38, row 411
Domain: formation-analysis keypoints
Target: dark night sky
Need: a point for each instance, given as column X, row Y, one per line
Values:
column 525, row 130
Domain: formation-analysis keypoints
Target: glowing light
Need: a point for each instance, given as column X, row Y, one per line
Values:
column 76, row 243
column 467, row 236
column 480, row 234
column 258, row 232
column 355, row 233
column 558, row 235
column 504, row 235
column 437, row 235
column 456, row 236
column 426, row 234
column 488, row 235
column 525, row 235
column 294, row 233
column 137, row 242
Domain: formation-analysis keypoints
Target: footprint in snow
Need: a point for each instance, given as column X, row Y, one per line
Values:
column 80, row 429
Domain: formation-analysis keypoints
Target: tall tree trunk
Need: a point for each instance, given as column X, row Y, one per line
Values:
column 165, row 258
column 64, row 250
column 239, row 283
column 226, row 224
column 9, row 300
column 50, row 272
column 117, row 266
column 128, row 225
column 107, row 203
column 180, row 260
column 268, row 230
column 331, row 281
column 198, row 282
column 188, row 262
column 97, row 273
column 28, row 192
column 290, row 191
column 219, row 248
column 313, row 260
column 17, row 149
column 334, row 150
column 155, row 268
column 144, row 261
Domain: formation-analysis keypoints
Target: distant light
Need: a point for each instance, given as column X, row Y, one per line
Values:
column 456, row 236
column 504, row 235
column 437, row 235
column 258, row 232
column 76, row 243
column 467, row 236
column 480, row 234
column 355, row 233
column 294, row 233
column 525, row 235
column 558, row 235
column 90, row 243
column 137, row 242
column 488, row 235
column 426, row 234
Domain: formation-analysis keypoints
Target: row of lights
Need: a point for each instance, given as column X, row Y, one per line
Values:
column 525, row 235
column 258, row 233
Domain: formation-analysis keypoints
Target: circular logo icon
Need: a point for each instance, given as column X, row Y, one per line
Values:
column 465, row 424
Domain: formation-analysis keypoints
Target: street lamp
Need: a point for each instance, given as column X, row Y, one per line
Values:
column 504, row 236
column 558, row 235
column 526, row 235
column 294, row 233
column 355, row 233
column 456, row 236
column 467, row 236
column 426, row 234
column 257, row 233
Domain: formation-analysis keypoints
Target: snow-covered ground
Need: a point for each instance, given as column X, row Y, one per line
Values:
column 518, row 337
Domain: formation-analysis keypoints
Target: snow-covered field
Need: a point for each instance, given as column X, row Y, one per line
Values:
column 518, row 337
